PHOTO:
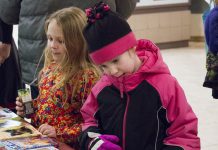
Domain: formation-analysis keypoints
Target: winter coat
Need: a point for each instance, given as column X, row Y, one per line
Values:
column 211, row 36
column 152, row 114
column 31, row 15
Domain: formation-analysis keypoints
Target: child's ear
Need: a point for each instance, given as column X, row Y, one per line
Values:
column 133, row 49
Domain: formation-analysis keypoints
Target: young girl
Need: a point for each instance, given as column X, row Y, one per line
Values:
column 66, row 78
column 137, row 104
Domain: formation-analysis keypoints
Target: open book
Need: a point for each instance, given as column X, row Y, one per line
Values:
column 12, row 126
column 30, row 143
column 6, row 113
column 12, row 129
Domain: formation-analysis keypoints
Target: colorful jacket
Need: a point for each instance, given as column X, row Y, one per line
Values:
column 57, row 109
column 147, row 110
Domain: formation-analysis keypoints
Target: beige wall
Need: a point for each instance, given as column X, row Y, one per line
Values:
column 162, row 27
column 197, row 28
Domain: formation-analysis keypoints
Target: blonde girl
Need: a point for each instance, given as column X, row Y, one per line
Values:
column 65, row 80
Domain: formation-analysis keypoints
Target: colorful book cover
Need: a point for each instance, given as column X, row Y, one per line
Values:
column 6, row 113
column 12, row 129
column 31, row 143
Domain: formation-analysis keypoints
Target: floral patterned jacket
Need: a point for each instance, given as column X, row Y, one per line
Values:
column 59, row 110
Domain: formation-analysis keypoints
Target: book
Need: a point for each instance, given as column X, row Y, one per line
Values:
column 30, row 143
column 47, row 148
column 4, row 146
column 12, row 129
column 6, row 113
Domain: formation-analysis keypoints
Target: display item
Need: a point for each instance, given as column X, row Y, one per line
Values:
column 25, row 95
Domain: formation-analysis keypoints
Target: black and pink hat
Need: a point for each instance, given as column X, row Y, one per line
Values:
column 108, row 35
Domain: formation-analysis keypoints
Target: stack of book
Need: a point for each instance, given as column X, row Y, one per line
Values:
column 44, row 143
column 16, row 133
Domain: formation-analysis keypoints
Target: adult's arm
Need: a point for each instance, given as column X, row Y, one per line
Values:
column 5, row 32
column 5, row 40
column 9, row 15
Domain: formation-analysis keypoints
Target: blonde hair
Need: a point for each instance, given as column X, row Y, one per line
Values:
column 71, row 20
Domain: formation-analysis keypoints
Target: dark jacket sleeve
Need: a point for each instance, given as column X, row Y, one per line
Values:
column 10, row 11
column 125, row 7
column 84, row 138
column 170, row 147
column 1, row 31
column 5, row 32
column 10, row 74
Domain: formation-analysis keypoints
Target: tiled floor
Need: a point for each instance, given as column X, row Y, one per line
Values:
column 188, row 66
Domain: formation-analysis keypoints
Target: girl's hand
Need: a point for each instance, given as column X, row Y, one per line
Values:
column 19, row 107
column 48, row 130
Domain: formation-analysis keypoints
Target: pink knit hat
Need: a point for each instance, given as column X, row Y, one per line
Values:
column 108, row 35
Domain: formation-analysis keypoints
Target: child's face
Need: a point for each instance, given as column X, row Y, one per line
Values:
column 124, row 64
column 56, row 41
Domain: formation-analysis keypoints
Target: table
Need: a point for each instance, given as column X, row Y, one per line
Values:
column 62, row 146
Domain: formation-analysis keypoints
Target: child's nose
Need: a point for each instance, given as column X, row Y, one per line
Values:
column 54, row 44
column 113, row 71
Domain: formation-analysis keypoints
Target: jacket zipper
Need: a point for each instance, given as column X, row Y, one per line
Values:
column 124, row 123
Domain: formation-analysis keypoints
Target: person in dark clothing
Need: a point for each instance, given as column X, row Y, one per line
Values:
column 10, row 76
column 137, row 104
column 5, row 41
column 211, row 32
column 30, row 16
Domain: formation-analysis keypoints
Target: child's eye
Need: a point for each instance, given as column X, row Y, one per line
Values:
column 49, row 38
column 115, row 61
column 61, row 41
column 102, row 66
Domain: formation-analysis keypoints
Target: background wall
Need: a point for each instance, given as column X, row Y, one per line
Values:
column 160, row 2
column 171, row 25
column 162, row 26
column 197, row 8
